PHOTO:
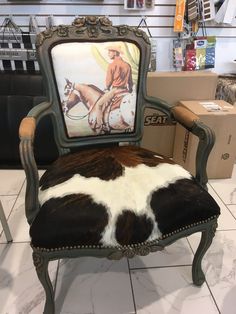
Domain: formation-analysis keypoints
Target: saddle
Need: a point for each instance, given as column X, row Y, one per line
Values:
column 112, row 104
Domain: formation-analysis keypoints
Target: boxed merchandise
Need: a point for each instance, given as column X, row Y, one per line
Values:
column 173, row 87
column 220, row 116
column 185, row 85
column 158, row 135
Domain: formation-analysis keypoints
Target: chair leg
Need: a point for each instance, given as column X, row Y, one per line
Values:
column 41, row 265
column 206, row 240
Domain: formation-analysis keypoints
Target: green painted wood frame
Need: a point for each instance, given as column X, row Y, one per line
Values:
column 100, row 29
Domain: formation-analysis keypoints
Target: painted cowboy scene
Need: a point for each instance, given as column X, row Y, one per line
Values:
column 104, row 100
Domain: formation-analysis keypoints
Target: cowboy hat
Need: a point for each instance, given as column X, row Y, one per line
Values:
column 114, row 48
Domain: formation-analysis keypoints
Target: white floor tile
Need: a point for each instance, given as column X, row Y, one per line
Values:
column 92, row 285
column 11, row 181
column 225, row 220
column 178, row 253
column 226, row 188
column 20, row 289
column 7, row 204
column 219, row 265
column 170, row 290
column 17, row 221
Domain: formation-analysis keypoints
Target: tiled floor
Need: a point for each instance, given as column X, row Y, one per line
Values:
column 159, row 283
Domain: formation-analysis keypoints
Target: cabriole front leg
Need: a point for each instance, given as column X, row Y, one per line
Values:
column 41, row 265
column 206, row 240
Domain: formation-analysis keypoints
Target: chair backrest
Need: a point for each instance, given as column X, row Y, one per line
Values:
column 96, row 79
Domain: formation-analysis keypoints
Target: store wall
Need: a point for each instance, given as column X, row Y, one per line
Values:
column 160, row 21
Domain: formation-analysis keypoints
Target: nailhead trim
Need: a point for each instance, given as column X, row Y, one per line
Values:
column 126, row 247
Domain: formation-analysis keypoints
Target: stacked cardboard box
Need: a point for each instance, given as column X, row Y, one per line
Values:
column 173, row 87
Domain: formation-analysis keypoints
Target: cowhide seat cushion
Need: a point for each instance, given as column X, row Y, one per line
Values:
column 115, row 197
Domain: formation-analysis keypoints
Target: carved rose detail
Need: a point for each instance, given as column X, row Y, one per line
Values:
column 37, row 260
column 214, row 227
column 106, row 30
column 92, row 20
column 105, row 21
column 48, row 33
column 92, row 31
column 140, row 33
column 131, row 252
column 78, row 22
column 80, row 30
column 40, row 39
column 115, row 255
column 62, row 31
column 122, row 30
column 143, row 251
column 155, row 248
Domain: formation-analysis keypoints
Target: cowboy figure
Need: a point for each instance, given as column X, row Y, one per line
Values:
column 118, row 82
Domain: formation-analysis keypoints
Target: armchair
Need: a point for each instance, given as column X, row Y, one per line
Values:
column 105, row 196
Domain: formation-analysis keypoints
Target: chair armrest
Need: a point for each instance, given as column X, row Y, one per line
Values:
column 27, row 128
column 184, row 116
column 26, row 133
column 206, row 139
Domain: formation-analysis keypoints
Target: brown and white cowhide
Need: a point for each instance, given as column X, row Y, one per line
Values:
column 115, row 196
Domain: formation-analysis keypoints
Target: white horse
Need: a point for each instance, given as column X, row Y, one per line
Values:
column 119, row 114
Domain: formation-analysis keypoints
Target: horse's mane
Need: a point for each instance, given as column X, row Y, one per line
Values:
column 96, row 88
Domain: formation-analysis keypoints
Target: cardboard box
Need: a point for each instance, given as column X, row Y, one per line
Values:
column 220, row 116
column 185, row 85
column 158, row 135
column 173, row 87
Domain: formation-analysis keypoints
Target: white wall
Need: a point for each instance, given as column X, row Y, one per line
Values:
column 160, row 21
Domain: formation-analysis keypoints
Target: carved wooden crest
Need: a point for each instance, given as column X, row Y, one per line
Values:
column 91, row 27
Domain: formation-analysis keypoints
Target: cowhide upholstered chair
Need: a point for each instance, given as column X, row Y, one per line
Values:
column 105, row 196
